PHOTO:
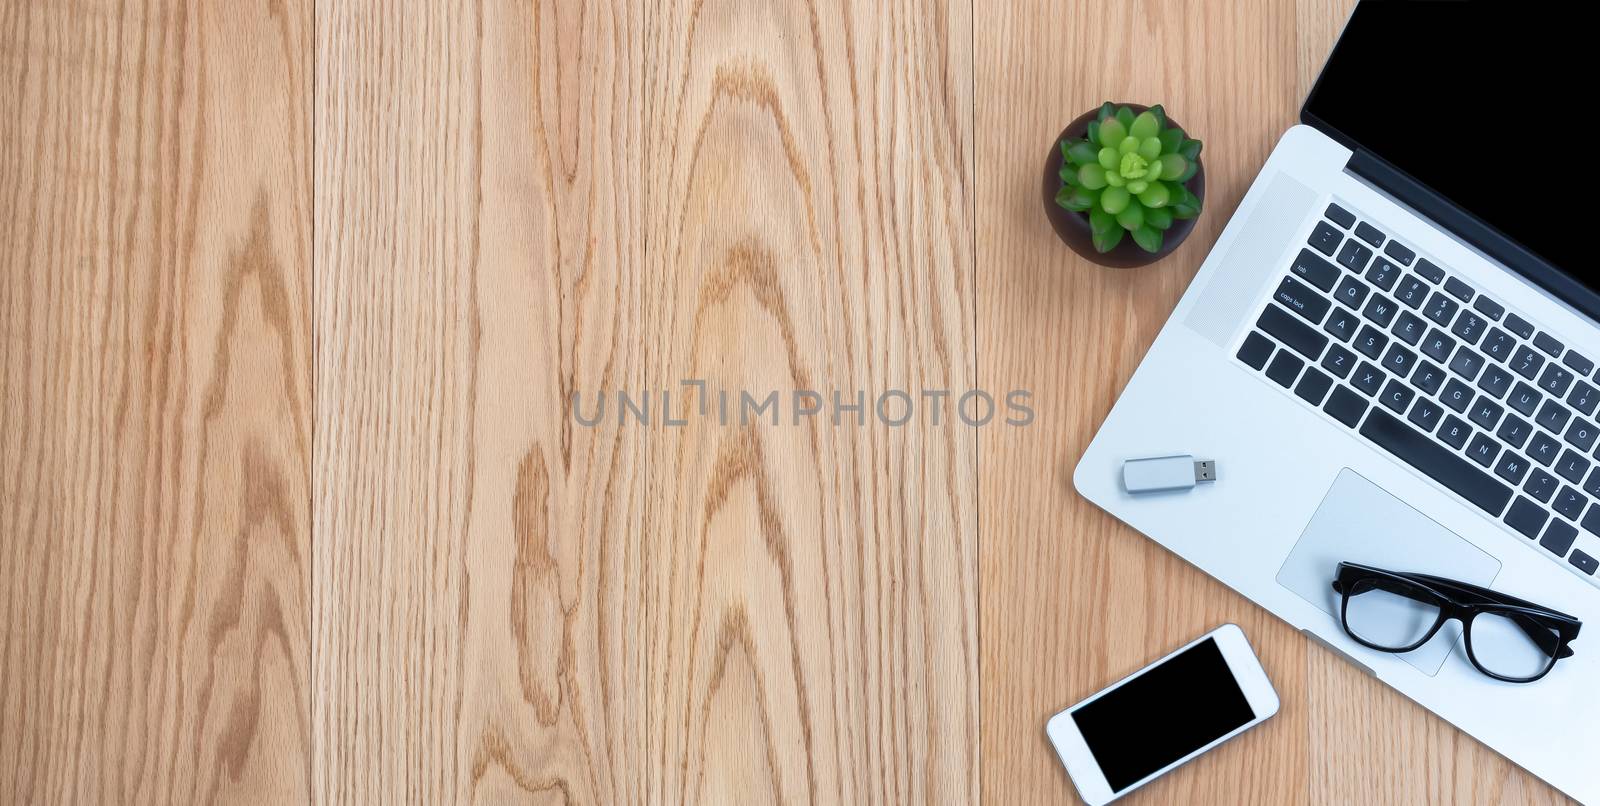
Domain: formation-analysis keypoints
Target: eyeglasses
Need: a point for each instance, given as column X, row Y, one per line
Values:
column 1507, row 638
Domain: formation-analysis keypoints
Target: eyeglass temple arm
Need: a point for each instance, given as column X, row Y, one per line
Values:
column 1540, row 635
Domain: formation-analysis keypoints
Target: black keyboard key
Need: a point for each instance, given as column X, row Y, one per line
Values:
column 1572, row 466
column 1412, row 291
column 1458, row 289
column 1397, row 396
column 1425, row 414
column 1345, row 406
column 1514, row 430
column 1499, row 345
column 1430, row 272
column 1297, row 335
column 1581, row 366
column 1526, row 362
column 1368, row 378
column 1400, row 252
column 1519, row 326
column 1428, row 377
column 1548, row 343
column 1541, row 485
column 1351, row 292
column 1489, row 308
column 1583, row 562
column 1525, row 398
column 1456, row 395
column 1511, row 467
column 1325, row 238
column 1441, row 309
column 1552, row 416
column 1555, row 379
column 1315, row 270
column 1469, row 326
column 1383, row 273
column 1313, row 385
column 1342, row 324
column 1370, row 341
column 1298, row 297
column 1399, row 360
column 1495, row 381
column 1454, row 432
column 1421, row 452
column 1486, row 413
column 1340, row 216
column 1569, row 503
column 1483, row 450
column 1284, row 367
column 1467, row 363
column 1526, row 517
column 1543, row 448
column 1409, row 328
column 1354, row 256
column 1437, row 346
column 1339, row 361
column 1583, row 397
column 1380, row 309
column 1581, row 434
column 1592, row 486
column 1558, row 537
column 1370, row 234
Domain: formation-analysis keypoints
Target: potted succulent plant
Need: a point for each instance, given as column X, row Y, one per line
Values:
column 1123, row 185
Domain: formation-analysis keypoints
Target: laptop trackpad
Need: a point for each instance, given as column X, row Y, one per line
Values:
column 1360, row 522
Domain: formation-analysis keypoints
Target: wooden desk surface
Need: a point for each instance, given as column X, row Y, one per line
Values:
column 293, row 505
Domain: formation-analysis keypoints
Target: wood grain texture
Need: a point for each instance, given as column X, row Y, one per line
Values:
column 299, row 297
column 479, row 248
column 155, row 402
column 811, row 584
column 1235, row 78
column 1400, row 753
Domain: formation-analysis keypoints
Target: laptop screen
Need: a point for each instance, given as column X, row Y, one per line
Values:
column 1485, row 103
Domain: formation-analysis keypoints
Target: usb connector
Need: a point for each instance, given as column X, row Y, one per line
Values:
column 1166, row 473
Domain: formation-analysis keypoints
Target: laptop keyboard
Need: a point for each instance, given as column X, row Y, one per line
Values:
column 1441, row 377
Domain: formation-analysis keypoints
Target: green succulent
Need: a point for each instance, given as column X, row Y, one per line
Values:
column 1129, row 176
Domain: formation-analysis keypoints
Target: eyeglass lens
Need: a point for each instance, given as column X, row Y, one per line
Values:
column 1511, row 645
column 1388, row 614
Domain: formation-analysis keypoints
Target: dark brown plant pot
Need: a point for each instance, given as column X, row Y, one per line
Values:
column 1073, row 227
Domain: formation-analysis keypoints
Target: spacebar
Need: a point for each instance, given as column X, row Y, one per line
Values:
column 1436, row 461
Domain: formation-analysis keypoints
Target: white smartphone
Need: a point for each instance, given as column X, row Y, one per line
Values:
column 1158, row 718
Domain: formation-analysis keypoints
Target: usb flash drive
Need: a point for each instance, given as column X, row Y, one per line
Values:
column 1166, row 473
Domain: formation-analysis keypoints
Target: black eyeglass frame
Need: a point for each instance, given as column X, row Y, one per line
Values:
column 1463, row 602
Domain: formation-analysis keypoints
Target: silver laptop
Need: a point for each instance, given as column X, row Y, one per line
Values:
column 1391, row 354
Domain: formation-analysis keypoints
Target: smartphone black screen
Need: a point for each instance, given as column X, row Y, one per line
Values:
column 1164, row 714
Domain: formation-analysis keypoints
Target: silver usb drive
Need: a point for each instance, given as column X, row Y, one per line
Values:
column 1166, row 473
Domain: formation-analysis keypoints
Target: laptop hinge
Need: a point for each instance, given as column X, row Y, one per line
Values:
column 1348, row 658
column 1469, row 228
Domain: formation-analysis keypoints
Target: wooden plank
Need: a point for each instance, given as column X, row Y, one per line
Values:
column 479, row 248
column 1369, row 744
column 811, row 587
column 155, row 402
column 1073, row 599
column 1236, row 78
column 1402, row 753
